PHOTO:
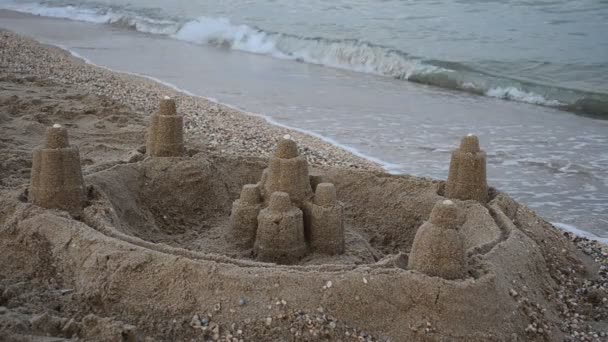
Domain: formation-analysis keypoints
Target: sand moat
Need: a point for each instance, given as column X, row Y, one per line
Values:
column 131, row 212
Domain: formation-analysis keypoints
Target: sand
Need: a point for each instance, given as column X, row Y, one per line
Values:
column 151, row 258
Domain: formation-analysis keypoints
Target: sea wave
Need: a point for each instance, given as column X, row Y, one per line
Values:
column 516, row 94
column 350, row 54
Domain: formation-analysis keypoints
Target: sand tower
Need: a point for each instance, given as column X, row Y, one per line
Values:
column 281, row 216
column 287, row 172
column 326, row 232
column 57, row 181
column 280, row 233
column 467, row 175
column 438, row 249
column 166, row 132
column 244, row 217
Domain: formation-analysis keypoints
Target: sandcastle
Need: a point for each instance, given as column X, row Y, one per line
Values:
column 56, row 181
column 467, row 175
column 462, row 263
column 166, row 132
column 281, row 217
column 438, row 249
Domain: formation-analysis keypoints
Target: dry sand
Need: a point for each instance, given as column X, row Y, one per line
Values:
column 150, row 259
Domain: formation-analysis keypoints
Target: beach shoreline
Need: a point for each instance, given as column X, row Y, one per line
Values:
column 225, row 129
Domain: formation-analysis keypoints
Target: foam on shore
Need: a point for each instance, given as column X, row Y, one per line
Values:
column 578, row 232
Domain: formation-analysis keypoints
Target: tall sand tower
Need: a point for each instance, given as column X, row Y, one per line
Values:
column 166, row 132
column 56, row 181
column 467, row 176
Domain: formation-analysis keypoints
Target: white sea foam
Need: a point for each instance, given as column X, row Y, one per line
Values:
column 574, row 230
column 351, row 54
column 516, row 94
column 221, row 32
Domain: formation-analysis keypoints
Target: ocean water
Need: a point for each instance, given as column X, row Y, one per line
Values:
column 398, row 81
column 551, row 52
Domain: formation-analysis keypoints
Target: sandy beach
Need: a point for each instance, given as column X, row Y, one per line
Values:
column 148, row 259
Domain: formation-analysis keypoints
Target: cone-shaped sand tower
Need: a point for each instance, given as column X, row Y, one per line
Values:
column 57, row 181
column 467, row 175
column 280, row 217
column 166, row 132
column 438, row 249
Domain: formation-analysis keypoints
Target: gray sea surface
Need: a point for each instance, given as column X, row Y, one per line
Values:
column 550, row 53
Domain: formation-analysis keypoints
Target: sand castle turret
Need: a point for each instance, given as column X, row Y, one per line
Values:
column 438, row 249
column 280, row 234
column 166, row 132
column 56, row 181
column 467, row 175
column 244, row 216
column 287, row 172
column 281, row 215
column 326, row 231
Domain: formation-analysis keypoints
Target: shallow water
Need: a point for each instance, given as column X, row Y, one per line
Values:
column 551, row 53
column 553, row 161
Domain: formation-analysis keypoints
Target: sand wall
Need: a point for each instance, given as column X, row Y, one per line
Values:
column 121, row 277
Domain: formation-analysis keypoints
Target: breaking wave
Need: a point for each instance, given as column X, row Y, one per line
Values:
column 355, row 55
